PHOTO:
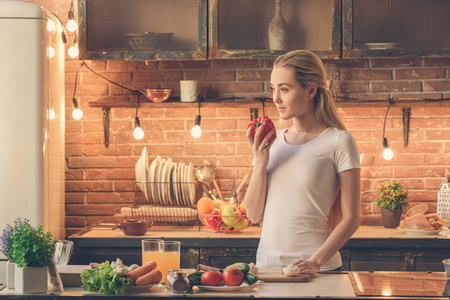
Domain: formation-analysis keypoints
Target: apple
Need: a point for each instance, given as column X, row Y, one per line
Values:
column 218, row 203
column 230, row 214
column 241, row 224
column 242, row 208
column 213, row 220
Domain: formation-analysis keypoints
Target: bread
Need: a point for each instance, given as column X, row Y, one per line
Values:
column 418, row 221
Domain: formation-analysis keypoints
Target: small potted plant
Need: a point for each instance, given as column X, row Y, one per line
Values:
column 392, row 199
column 32, row 251
column 5, row 248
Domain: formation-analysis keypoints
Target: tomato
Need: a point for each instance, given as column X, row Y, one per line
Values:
column 212, row 278
column 233, row 277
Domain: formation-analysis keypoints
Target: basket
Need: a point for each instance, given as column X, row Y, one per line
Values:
column 418, row 209
column 443, row 201
column 225, row 224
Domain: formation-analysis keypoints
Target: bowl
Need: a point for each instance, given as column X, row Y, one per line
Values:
column 63, row 251
column 134, row 226
column 216, row 222
column 156, row 95
column 446, row 263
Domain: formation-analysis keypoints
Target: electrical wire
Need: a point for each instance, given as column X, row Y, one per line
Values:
column 76, row 80
column 385, row 117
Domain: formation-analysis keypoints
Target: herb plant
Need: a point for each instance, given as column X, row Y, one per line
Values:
column 392, row 195
column 104, row 280
column 30, row 246
column 5, row 238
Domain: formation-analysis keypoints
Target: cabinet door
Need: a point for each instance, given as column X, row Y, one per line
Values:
column 239, row 28
column 143, row 29
column 396, row 28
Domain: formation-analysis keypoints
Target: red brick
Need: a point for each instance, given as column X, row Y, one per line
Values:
column 395, row 62
column 436, row 85
column 236, row 63
column 423, row 73
column 116, row 150
column 74, row 174
column 150, row 136
column 376, row 172
column 438, row 111
column 123, row 186
column 253, row 75
column 238, row 87
column 99, row 89
column 166, row 150
column 352, row 63
column 75, row 198
column 118, row 77
column 210, row 75
column 437, row 159
column 424, row 147
column 73, row 150
column 118, row 65
column 236, row 161
column 349, row 112
column 86, row 210
column 191, row 112
column 184, row 64
column 96, row 220
column 232, row 136
column 88, row 186
column 126, row 162
column 443, row 135
column 72, row 231
column 110, row 198
column 418, row 171
column 160, row 76
column 365, row 74
column 436, row 62
column 205, row 149
column 236, row 112
column 350, row 87
column 105, row 174
column 92, row 162
column 186, row 137
column 74, row 221
column 395, row 86
column 73, row 126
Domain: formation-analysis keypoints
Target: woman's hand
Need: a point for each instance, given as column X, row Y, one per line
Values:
column 260, row 148
column 307, row 266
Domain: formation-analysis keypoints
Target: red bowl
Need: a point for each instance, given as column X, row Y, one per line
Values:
column 156, row 95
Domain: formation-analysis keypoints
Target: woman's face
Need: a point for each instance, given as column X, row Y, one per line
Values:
column 290, row 98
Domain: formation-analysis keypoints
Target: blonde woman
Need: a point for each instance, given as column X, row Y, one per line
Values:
column 305, row 183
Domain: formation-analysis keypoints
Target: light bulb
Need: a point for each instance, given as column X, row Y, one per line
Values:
column 51, row 51
column 138, row 133
column 196, row 131
column 51, row 25
column 388, row 154
column 73, row 51
column 77, row 113
column 72, row 25
column 51, row 114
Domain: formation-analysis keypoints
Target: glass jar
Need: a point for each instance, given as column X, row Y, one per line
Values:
column 179, row 283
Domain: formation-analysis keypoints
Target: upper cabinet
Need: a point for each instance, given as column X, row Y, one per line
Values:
column 143, row 29
column 395, row 28
column 240, row 28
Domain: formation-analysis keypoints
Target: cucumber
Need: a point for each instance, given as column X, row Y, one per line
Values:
column 241, row 266
column 250, row 278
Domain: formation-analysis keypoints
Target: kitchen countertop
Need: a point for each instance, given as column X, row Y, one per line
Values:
column 338, row 285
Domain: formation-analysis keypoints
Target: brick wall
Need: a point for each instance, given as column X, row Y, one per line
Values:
column 99, row 180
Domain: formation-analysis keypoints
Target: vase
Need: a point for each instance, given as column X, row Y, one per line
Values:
column 10, row 271
column 277, row 29
column 391, row 218
column 31, row 280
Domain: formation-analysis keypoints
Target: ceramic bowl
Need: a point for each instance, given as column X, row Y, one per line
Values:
column 446, row 263
column 156, row 95
column 135, row 227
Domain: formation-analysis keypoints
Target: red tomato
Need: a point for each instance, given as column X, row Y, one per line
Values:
column 212, row 278
column 233, row 277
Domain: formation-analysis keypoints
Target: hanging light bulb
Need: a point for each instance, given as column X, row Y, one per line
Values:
column 51, row 25
column 71, row 24
column 138, row 133
column 77, row 113
column 73, row 50
column 196, row 131
column 51, row 114
column 388, row 154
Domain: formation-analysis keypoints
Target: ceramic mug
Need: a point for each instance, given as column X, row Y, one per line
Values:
column 188, row 90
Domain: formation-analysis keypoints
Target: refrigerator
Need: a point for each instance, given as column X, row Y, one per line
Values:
column 32, row 162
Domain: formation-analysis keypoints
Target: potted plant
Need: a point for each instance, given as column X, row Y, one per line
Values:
column 392, row 199
column 32, row 251
column 5, row 248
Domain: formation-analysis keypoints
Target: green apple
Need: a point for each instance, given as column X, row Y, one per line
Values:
column 241, row 224
column 217, row 203
column 230, row 214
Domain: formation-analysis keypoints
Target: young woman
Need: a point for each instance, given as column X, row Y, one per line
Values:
column 306, row 183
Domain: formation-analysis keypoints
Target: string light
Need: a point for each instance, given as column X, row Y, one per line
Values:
column 51, row 114
column 51, row 25
column 73, row 50
column 388, row 154
column 196, row 131
column 138, row 133
column 71, row 24
column 77, row 113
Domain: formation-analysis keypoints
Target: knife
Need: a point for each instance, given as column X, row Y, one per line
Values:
column 207, row 268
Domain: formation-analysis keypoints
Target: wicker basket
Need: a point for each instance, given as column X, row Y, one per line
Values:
column 443, row 201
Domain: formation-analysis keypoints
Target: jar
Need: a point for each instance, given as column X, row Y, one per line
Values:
column 170, row 274
column 179, row 283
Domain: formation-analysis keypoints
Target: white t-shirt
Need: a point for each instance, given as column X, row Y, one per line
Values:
column 302, row 184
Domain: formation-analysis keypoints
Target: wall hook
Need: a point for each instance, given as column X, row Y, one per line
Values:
column 406, row 118
column 106, row 125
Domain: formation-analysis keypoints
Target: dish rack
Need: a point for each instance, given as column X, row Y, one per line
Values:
column 166, row 202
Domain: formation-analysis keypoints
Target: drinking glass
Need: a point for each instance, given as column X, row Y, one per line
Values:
column 150, row 251
column 169, row 257
column 63, row 251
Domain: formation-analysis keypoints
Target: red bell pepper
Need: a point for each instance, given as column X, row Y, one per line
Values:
column 268, row 125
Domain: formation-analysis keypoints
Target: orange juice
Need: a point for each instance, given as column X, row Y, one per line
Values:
column 169, row 260
column 150, row 255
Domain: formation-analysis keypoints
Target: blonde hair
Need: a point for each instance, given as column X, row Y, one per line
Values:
column 308, row 68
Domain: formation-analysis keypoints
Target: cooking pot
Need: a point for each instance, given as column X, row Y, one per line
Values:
column 135, row 227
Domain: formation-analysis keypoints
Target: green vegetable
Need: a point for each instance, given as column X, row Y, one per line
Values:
column 241, row 266
column 104, row 280
column 194, row 279
column 250, row 278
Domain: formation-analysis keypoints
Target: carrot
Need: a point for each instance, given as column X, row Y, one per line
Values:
column 142, row 270
column 153, row 276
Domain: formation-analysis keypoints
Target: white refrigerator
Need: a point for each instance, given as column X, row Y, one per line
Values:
column 32, row 162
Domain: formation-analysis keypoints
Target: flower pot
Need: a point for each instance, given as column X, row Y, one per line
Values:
column 391, row 218
column 31, row 280
column 10, row 271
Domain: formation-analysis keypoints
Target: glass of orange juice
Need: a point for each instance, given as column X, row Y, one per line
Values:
column 169, row 257
column 150, row 251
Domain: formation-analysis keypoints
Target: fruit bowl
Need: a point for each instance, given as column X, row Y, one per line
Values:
column 225, row 224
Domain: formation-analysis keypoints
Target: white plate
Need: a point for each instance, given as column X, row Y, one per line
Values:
column 158, row 180
column 154, row 167
column 180, row 185
column 144, row 170
column 418, row 231
column 243, row 287
column 167, row 184
column 185, row 185
column 191, row 184
column 174, row 183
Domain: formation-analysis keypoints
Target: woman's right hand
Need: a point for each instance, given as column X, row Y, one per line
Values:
column 260, row 148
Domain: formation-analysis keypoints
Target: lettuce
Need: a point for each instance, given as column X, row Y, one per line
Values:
column 104, row 280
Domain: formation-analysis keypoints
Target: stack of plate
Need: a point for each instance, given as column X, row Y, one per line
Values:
column 166, row 182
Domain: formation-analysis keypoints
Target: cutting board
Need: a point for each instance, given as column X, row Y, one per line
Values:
column 269, row 275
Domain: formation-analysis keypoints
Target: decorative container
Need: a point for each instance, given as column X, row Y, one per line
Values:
column 31, row 280
column 10, row 271
column 277, row 29
column 391, row 218
column 443, row 201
